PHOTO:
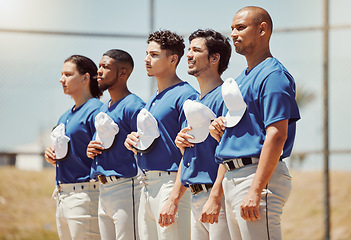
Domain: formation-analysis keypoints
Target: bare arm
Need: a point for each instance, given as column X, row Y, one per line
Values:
column 271, row 150
column 212, row 207
column 169, row 210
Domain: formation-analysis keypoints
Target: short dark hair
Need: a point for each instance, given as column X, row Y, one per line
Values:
column 215, row 43
column 121, row 56
column 86, row 65
column 170, row 41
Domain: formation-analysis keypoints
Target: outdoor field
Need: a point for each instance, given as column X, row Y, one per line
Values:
column 27, row 211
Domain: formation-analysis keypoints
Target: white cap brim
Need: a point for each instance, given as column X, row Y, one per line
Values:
column 106, row 141
column 200, row 134
column 234, row 117
column 145, row 142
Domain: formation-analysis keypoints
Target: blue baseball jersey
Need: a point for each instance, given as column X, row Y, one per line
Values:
column 199, row 165
column 118, row 160
column 269, row 92
column 167, row 109
column 80, row 129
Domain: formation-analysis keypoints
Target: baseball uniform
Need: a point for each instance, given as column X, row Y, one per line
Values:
column 76, row 195
column 199, row 172
column 116, row 170
column 160, row 166
column 269, row 92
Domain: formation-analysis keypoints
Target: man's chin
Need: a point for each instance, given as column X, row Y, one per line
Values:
column 103, row 87
column 192, row 72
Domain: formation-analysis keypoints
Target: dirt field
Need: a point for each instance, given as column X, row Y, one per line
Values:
column 28, row 212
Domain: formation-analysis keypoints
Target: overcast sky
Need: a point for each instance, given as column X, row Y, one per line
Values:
column 31, row 98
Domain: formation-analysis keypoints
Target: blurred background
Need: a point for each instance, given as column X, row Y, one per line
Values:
column 37, row 36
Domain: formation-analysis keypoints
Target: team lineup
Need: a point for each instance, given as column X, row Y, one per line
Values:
column 185, row 164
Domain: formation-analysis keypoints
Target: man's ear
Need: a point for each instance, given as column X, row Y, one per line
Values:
column 122, row 72
column 263, row 28
column 215, row 58
column 174, row 59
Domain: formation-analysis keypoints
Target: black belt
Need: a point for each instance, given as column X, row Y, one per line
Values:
column 237, row 163
column 103, row 179
column 196, row 188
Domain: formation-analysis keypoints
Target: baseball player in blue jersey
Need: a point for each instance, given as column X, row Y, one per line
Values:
column 113, row 165
column 160, row 161
column 76, row 194
column 208, row 58
column 257, row 183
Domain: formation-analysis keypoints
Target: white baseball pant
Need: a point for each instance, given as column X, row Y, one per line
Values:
column 154, row 194
column 77, row 210
column 207, row 231
column 236, row 184
column 118, row 209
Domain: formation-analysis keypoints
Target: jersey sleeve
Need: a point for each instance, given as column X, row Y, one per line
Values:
column 133, row 114
column 277, row 99
column 91, row 121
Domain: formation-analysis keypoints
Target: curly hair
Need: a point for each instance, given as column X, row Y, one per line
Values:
column 170, row 41
column 215, row 43
column 86, row 65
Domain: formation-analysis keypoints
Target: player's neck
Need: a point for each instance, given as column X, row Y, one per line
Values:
column 208, row 82
column 117, row 93
column 165, row 82
column 81, row 99
column 256, row 58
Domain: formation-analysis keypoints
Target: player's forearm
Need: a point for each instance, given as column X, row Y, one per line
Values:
column 217, row 189
column 178, row 188
column 270, row 154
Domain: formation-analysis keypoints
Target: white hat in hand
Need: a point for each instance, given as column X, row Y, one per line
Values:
column 234, row 102
column 199, row 119
column 147, row 129
column 106, row 129
column 59, row 141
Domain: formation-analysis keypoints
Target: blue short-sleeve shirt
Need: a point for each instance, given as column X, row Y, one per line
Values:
column 118, row 160
column 199, row 165
column 75, row 167
column 269, row 92
column 167, row 109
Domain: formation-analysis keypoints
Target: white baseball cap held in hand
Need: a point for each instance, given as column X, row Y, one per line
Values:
column 59, row 141
column 234, row 102
column 106, row 129
column 147, row 129
column 199, row 119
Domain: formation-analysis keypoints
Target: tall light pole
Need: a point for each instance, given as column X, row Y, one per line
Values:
column 326, row 119
column 152, row 22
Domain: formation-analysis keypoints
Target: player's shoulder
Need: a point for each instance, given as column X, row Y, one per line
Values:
column 186, row 87
column 273, row 65
column 186, row 91
column 133, row 103
column 94, row 103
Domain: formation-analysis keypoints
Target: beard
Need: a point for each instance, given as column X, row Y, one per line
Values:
column 243, row 50
column 197, row 72
column 104, row 86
